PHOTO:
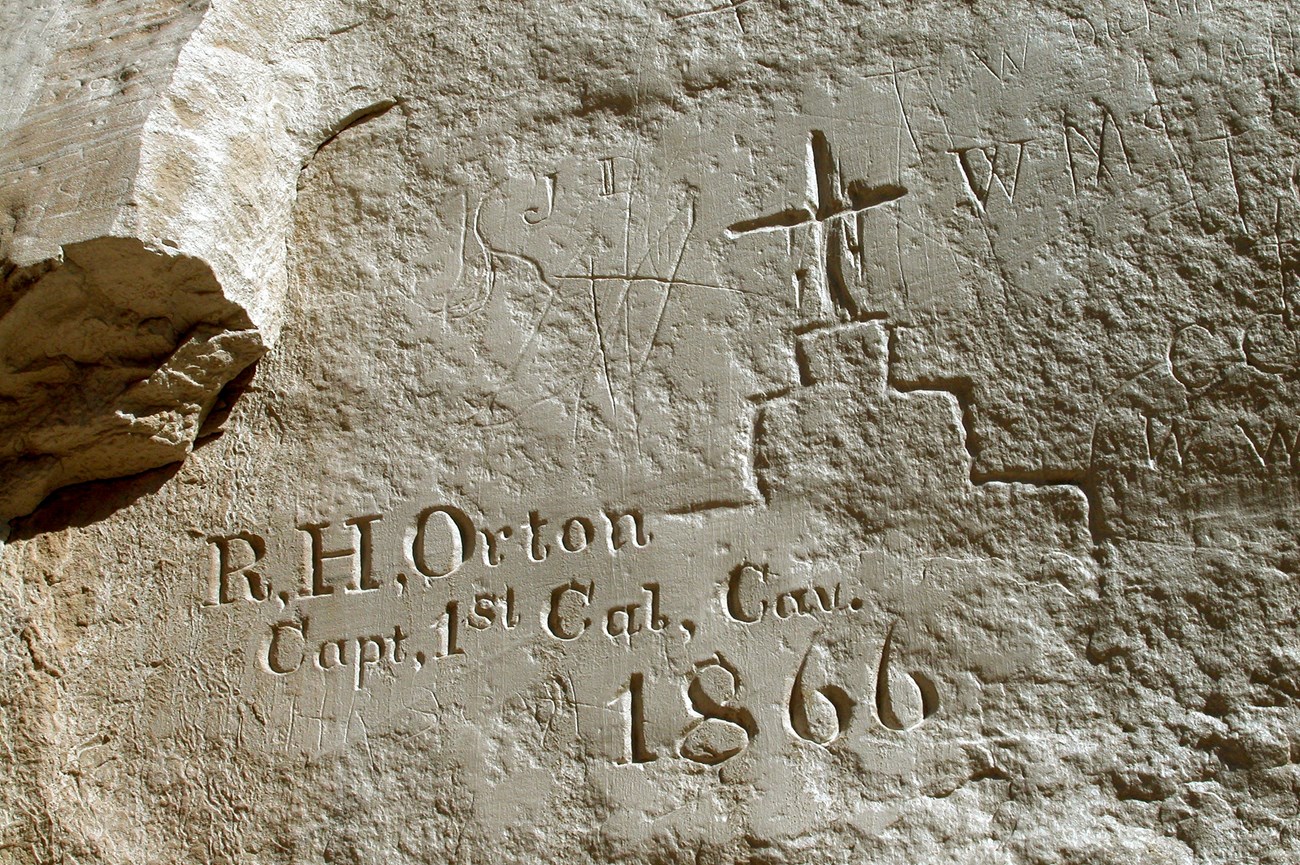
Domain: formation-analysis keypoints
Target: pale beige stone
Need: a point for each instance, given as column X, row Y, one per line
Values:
column 180, row 132
column 754, row 432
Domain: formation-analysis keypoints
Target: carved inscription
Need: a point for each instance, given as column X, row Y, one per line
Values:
column 833, row 209
column 817, row 709
column 339, row 561
column 332, row 617
column 695, row 635
column 990, row 168
column 1213, row 421
column 443, row 539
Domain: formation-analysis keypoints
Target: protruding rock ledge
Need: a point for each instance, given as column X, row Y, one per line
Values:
column 148, row 171
column 110, row 359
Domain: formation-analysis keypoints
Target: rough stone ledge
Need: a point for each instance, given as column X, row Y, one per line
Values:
column 111, row 357
column 148, row 173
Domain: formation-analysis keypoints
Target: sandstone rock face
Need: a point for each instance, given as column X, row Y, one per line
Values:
column 113, row 357
column 683, row 432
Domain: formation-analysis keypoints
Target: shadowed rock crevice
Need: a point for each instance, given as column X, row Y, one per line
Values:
column 110, row 360
column 81, row 505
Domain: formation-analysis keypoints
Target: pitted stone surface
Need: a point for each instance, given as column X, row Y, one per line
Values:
column 684, row 432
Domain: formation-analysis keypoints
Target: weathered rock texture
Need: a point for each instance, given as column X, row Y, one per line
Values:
column 141, row 133
column 697, row 433
column 113, row 357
